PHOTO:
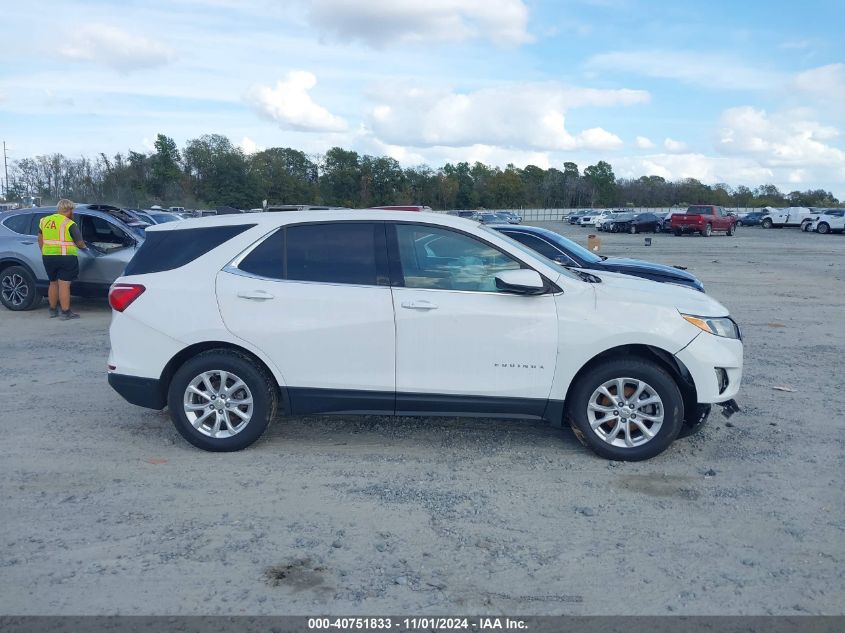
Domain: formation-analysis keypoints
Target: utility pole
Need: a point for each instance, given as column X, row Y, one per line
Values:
column 6, row 170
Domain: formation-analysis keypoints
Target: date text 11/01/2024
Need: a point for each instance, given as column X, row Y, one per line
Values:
column 424, row 623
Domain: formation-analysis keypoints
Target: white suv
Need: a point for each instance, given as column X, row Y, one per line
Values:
column 228, row 319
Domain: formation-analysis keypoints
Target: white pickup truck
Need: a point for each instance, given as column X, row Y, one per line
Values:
column 790, row 216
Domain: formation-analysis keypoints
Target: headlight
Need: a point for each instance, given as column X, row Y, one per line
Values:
column 720, row 326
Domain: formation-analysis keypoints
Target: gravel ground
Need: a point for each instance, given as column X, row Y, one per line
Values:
column 106, row 510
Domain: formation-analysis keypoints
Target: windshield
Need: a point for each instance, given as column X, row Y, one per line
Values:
column 531, row 252
column 161, row 218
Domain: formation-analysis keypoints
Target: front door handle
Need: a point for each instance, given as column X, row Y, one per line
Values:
column 422, row 304
column 255, row 295
column 27, row 242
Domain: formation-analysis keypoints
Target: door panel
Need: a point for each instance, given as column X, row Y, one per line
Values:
column 456, row 335
column 325, row 336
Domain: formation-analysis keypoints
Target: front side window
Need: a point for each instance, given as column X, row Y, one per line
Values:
column 535, row 243
column 18, row 223
column 333, row 252
column 101, row 232
column 442, row 259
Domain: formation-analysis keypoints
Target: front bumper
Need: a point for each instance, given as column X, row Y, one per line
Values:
column 703, row 356
column 143, row 392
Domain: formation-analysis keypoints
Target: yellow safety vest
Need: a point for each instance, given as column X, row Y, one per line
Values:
column 55, row 231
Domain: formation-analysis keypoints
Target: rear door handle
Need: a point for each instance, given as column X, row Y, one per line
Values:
column 422, row 304
column 255, row 295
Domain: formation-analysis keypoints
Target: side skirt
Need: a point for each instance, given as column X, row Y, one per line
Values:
column 306, row 400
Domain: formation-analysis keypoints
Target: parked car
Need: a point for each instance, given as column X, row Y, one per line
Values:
column 574, row 217
column 111, row 233
column 829, row 221
column 780, row 218
column 754, row 218
column 565, row 252
column 643, row 223
column 703, row 219
column 158, row 217
column 488, row 217
column 409, row 317
column 511, row 217
column 603, row 216
column 609, row 224
column 587, row 220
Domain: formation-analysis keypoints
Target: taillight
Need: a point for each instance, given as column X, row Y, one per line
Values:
column 122, row 295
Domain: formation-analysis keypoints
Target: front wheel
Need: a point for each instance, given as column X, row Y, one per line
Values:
column 677, row 232
column 626, row 409
column 221, row 400
column 634, row 229
column 732, row 230
column 17, row 289
column 823, row 228
column 767, row 223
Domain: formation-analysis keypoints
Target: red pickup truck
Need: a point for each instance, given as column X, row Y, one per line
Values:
column 703, row 219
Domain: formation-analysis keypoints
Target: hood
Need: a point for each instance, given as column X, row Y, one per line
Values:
column 621, row 263
column 617, row 287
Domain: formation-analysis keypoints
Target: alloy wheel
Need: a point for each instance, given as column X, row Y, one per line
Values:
column 218, row 404
column 625, row 412
column 14, row 289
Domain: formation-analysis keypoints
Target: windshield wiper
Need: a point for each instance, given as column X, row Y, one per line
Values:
column 585, row 276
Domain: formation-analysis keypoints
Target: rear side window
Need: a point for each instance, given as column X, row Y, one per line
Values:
column 166, row 250
column 18, row 223
column 336, row 252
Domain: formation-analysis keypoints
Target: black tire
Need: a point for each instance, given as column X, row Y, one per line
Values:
column 823, row 228
column 739, row 222
column 15, row 280
column 631, row 367
column 264, row 390
column 707, row 231
column 732, row 230
column 767, row 223
column 634, row 230
column 677, row 232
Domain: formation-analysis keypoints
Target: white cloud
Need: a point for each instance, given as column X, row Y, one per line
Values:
column 381, row 22
column 643, row 142
column 826, row 83
column 290, row 105
column 521, row 116
column 707, row 169
column 115, row 48
column 710, row 70
column 671, row 145
column 785, row 139
column 248, row 146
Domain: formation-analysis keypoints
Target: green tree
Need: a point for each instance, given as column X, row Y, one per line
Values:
column 164, row 168
column 603, row 183
column 340, row 178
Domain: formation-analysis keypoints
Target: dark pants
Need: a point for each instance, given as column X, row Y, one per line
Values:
column 61, row 267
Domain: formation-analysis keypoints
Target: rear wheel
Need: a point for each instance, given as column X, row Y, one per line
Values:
column 677, row 232
column 708, row 231
column 17, row 289
column 222, row 400
column 626, row 409
column 767, row 223
column 823, row 228
column 634, row 229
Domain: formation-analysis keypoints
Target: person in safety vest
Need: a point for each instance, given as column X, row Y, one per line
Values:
column 59, row 238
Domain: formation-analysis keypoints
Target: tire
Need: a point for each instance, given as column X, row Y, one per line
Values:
column 739, row 222
column 823, row 228
column 633, row 369
column 18, row 291
column 634, row 229
column 260, row 386
column 805, row 227
column 677, row 232
column 767, row 223
column 708, row 231
column 732, row 230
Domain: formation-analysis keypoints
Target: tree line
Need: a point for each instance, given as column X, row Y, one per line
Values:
column 209, row 171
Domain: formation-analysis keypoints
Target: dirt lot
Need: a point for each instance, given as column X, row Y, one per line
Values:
column 106, row 510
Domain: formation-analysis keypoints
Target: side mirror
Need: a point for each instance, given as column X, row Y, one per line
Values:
column 128, row 241
column 520, row 282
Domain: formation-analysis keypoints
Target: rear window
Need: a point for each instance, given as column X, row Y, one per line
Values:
column 166, row 250
column 18, row 223
column 337, row 252
column 700, row 211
